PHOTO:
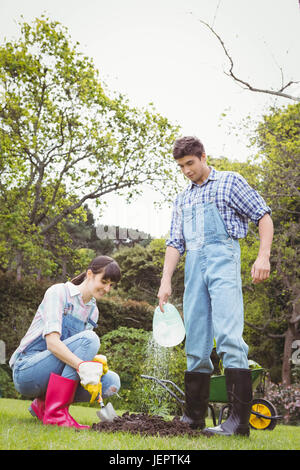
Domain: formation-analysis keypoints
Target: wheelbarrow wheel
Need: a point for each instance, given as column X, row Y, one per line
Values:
column 265, row 408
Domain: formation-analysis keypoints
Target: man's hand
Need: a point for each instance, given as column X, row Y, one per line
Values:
column 164, row 293
column 171, row 259
column 261, row 269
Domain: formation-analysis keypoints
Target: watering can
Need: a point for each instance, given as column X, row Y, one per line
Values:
column 168, row 327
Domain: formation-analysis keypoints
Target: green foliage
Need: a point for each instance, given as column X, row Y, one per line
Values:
column 259, row 305
column 278, row 139
column 18, row 304
column 115, row 312
column 249, row 170
column 125, row 349
column 7, row 388
column 64, row 141
column 142, row 269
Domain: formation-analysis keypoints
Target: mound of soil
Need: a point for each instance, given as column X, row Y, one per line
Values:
column 142, row 423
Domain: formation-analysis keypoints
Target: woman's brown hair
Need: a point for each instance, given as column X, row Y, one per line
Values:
column 101, row 264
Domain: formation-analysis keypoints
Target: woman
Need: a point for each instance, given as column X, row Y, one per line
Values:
column 59, row 347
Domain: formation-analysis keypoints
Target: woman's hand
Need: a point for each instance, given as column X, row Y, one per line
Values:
column 90, row 373
column 103, row 360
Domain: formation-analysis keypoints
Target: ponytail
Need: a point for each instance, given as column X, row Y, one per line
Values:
column 79, row 279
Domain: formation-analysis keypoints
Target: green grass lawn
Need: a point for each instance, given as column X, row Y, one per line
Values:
column 20, row 431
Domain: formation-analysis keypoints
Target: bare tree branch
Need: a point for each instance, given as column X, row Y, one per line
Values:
column 93, row 195
column 246, row 84
column 263, row 329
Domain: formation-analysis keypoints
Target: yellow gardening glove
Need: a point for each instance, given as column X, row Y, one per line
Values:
column 94, row 390
column 102, row 359
column 90, row 373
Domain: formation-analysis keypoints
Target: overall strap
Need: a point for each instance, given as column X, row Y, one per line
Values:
column 67, row 303
column 89, row 320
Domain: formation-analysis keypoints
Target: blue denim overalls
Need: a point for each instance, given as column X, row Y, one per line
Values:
column 213, row 301
column 33, row 366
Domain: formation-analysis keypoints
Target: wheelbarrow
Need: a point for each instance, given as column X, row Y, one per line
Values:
column 263, row 413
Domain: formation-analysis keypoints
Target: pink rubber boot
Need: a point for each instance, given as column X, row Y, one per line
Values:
column 37, row 408
column 59, row 396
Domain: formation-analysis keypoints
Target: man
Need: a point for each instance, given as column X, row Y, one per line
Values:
column 208, row 218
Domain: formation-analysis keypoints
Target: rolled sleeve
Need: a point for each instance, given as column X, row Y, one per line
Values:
column 260, row 213
column 51, row 328
column 176, row 239
column 247, row 201
column 176, row 244
column 52, row 309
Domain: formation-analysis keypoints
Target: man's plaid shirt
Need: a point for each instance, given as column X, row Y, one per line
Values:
column 236, row 201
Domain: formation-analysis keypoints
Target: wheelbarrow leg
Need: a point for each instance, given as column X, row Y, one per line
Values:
column 213, row 414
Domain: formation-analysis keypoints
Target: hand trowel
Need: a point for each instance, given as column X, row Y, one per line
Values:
column 107, row 412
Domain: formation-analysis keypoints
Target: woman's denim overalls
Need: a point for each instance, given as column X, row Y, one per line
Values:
column 32, row 369
column 213, row 301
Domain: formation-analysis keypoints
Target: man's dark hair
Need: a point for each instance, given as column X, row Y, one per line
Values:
column 188, row 146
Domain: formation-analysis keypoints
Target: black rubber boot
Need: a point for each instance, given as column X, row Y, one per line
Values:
column 239, row 391
column 196, row 399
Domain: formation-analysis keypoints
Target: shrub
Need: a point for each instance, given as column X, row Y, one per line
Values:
column 132, row 352
column 18, row 304
column 115, row 312
column 286, row 399
column 7, row 388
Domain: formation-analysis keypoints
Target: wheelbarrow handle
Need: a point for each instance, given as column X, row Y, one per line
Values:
column 174, row 385
column 162, row 382
column 266, row 417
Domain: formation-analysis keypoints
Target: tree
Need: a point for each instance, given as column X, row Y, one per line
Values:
column 64, row 141
column 278, row 138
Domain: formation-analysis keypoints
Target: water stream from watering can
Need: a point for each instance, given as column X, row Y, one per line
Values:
column 156, row 365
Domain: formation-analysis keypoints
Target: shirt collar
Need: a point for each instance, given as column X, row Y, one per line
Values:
column 211, row 177
column 73, row 289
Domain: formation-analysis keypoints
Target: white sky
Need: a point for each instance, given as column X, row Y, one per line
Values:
column 158, row 51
